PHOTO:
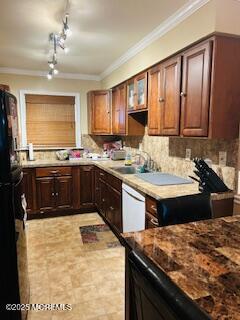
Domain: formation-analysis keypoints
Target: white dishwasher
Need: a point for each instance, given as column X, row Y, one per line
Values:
column 133, row 209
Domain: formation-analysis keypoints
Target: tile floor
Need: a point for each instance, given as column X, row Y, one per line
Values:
column 63, row 269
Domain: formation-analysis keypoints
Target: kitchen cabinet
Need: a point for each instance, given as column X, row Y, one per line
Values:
column 151, row 213
column 137, row 93
column 46, row 194
column 119, row 109
column 99, row 112
column 29, row 189
column 54, row 189
column 114, row 215
column 195, row 93
column 111, row 200
column 87, row 187
column 164, row 98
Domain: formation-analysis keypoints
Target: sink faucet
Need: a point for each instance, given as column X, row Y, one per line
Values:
column 146, row 157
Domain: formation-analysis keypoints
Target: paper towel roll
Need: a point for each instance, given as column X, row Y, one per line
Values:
column 30, row 152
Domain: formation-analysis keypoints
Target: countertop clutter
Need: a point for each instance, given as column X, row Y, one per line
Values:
column 157, row 192
column 201, row 258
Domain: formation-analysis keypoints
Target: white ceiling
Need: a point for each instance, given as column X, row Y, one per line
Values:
column 103, row 30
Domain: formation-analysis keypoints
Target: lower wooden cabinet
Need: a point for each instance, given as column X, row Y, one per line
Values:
column 110, row 202
column 114, row 212
column 63, row 192
column 87, row 186
column 29, row 189
column 45, row 194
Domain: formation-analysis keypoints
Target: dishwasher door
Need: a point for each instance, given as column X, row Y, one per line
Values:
column 133, row 209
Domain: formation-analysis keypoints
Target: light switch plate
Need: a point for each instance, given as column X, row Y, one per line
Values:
column 188, row 154
column 222, row 158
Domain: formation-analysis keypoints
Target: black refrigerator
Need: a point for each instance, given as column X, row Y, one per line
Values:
column 14, row 284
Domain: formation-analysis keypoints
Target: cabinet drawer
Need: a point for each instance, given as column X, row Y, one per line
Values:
column 151, row 221
column 151, row 205
column 102, row 175
column 115, row 182
column 53, row 171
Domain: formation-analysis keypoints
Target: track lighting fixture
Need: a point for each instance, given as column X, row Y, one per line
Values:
column 58, row 41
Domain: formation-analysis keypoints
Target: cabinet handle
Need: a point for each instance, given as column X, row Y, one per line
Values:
column 161, row 100
column 56, row 194
column 154, row 221
column 101, row 174
column 54, row 172
column 153, row 208
column 53, row 194
column 111, row 208
column 183, row 94
column 97, row 189
column 103, row 200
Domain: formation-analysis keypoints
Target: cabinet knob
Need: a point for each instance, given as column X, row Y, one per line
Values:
column 161, row 99
column 154, row 221
column 153, row 208
column 56, row 194
column 103, row 200
column 183, row 94
column 111, row 208
column 53, row 194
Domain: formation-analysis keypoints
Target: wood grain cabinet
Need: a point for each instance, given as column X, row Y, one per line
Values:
column 87, row 187
column 110, row 204
column 54, row 189
column 99, row 112
column 164, row 98
column 119, row 110
column 29, row 189
column 137, row 93
column 195, row 93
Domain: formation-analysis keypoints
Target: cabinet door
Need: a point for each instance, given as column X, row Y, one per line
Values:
column 87, row 186
column 97, row 188
column 64, row 192
column 115, row 111
column 100, row 112
column 29, row 189
column 45, row 193
column 130, row 95
column 170, row 96
column 122, row 109
column 154, row 120
column 114, row 212
column 141, row 91
column 104, row 195
column 195, row 90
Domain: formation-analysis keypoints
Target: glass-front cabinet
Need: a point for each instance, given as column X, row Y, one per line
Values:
column 137, row 93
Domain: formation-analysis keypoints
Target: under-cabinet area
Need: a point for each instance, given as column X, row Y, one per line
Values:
column 120, row 160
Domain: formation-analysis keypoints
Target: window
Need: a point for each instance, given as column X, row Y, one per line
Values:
column 50, row 120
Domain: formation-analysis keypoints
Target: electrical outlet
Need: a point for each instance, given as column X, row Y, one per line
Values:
column 188, row 154
column 222, row 158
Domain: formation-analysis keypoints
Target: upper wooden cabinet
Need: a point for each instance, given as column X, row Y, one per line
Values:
column 137, row 93
column 99, row 111
column 119, row 109
column 164, row 98
column 195, row 93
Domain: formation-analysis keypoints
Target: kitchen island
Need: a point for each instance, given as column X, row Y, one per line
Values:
column 201, row 258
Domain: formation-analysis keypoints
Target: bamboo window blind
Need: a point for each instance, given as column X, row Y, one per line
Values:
column 50, row 120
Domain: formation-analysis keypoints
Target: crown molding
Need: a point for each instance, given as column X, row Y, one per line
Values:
column 37, row 73
column 180, row 15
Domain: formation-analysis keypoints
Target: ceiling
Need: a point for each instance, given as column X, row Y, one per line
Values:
column 103, row 30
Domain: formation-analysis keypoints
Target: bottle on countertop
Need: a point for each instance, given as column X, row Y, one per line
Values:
column 128, row 158
column 30, row 152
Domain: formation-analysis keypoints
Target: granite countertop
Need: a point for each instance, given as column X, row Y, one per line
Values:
column 202, row 258
column 157, row 192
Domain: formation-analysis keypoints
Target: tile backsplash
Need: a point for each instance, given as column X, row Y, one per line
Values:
column 168, row 153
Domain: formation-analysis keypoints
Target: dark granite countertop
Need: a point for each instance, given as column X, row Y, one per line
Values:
column 202, row 258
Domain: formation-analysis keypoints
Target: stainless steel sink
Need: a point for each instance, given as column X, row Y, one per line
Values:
column 126, row 170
